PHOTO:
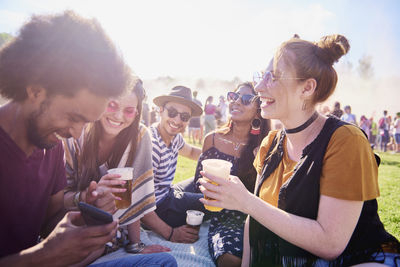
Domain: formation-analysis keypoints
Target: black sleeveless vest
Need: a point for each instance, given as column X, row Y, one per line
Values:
column 300, row 196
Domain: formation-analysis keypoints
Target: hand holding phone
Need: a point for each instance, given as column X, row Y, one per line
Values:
column 94, row 216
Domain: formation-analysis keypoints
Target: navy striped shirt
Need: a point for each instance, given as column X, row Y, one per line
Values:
column 164, row 162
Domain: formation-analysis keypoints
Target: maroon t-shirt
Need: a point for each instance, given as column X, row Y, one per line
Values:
column 26, row 186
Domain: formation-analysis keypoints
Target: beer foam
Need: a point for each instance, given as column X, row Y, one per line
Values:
column 126, row 173
column 194, row 217
column 217, row 167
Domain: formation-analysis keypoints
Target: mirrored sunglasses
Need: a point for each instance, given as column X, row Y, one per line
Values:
column 245, row 99
column 172, row 113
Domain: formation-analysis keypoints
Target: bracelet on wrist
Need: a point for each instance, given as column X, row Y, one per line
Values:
column 77, row 198
column 170, row 235
column 134, row 248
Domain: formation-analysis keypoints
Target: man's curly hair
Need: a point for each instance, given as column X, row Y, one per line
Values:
column 62, row 53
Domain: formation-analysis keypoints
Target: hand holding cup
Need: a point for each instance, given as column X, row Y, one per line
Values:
column 123, row 198
column 225, row 193
column 185, row 234
column 101, row 194
column 216, row 167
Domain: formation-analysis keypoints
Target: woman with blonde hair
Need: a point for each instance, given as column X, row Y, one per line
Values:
column 314, row 202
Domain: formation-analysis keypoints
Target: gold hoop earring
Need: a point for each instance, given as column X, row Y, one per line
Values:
column 304, row 107
column 255, row 126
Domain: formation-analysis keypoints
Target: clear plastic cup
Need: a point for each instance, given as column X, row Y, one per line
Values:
column 219, row 168
column 194, row 218
column 126, row 175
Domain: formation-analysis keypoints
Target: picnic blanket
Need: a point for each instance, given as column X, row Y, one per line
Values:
column 187, row 255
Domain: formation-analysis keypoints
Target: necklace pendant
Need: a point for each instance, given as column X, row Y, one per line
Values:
column 237, row 146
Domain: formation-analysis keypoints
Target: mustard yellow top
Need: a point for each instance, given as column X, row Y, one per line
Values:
column 349, row 168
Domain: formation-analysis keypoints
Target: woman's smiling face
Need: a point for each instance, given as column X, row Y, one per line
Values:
column 239, row 111
column 120, row 114
column 278, row 95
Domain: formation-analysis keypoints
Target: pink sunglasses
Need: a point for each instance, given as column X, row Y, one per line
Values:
column 129, row 112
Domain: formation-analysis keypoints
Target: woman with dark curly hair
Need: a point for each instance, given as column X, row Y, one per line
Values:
column 236, row 142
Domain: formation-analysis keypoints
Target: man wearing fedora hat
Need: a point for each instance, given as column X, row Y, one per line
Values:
column 176, row 109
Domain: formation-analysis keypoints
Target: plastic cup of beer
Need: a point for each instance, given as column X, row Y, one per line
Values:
column 219, row 168
column 194, row 218
column 126, row 175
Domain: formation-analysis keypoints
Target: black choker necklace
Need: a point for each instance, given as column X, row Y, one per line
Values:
column 304, row 125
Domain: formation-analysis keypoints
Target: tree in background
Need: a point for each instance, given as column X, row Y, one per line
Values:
column 365, row 68
column 4, row 38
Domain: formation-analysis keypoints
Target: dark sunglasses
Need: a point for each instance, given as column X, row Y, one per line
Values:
column 246, row 99
column 172, row 113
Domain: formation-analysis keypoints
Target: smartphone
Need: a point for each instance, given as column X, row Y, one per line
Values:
column 94, row 216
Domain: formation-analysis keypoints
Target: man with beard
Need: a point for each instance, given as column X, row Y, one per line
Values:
column 169, row 220
column 58, row 74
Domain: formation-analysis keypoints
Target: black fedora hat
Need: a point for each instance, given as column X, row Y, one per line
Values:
column 180, row 94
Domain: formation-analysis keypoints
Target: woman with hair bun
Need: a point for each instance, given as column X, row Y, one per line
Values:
column 314, row 202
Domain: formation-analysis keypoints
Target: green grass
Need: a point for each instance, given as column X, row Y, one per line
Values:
column 389, row 183
column 186, row 167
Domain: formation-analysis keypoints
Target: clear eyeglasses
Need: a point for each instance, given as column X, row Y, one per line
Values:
column 268, row 77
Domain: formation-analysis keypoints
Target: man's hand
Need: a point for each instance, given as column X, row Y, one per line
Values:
column 67, row 244
column 70, row 244
column 185, row 234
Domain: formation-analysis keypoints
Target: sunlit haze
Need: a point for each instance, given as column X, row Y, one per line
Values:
column 212, row 45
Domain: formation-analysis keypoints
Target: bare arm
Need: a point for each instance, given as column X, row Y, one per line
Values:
column 326, row 237
column 134, row 237
column 54, row 213
column 69, row 200
column 134, row 232
column 208, row 141
column 155, row 223
column 191, row 152
column 182, row 234
column 67, row 244
column 246, row 244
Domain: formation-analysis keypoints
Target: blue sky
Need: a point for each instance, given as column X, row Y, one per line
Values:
column 223, row 39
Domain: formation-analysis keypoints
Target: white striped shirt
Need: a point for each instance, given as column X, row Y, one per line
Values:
column 164, row 162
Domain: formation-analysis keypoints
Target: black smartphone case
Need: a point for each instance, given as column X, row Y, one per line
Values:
column 94, row 216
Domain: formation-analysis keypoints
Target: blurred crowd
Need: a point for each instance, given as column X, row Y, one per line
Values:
column 383, row 131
